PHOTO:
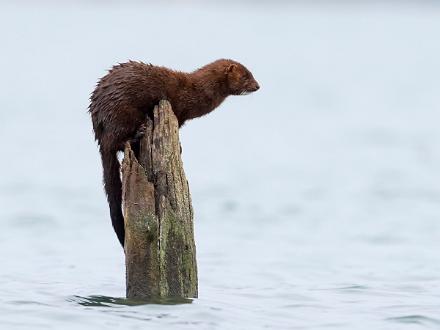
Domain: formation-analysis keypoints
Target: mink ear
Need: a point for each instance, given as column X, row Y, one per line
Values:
column 231, row 68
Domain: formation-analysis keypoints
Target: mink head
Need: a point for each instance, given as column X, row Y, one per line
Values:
column 240, row 80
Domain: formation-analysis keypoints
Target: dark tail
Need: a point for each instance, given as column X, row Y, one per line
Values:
column 113, row 189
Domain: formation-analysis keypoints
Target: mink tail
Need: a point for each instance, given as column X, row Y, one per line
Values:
column 113, row 189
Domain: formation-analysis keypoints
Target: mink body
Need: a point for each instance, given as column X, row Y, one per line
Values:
column 128, row 93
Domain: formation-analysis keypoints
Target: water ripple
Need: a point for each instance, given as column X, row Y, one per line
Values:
column 415, row 319
column 105, row 301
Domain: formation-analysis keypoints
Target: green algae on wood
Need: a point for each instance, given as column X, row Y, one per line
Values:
column 160, row 251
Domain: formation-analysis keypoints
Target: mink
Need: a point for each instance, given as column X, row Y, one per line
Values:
column 128, row 93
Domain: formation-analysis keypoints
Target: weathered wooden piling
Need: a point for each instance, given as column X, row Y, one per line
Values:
column 160, row 251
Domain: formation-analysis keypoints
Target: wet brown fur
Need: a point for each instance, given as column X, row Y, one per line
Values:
column 128, row 93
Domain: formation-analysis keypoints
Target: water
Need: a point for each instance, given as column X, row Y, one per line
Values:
column 316, row 199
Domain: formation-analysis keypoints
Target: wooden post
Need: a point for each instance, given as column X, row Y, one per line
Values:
column 160, row 251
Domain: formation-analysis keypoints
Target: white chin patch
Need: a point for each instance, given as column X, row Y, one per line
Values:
column 245, row 93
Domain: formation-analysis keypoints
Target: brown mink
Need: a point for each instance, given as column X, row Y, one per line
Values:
column 128, row 93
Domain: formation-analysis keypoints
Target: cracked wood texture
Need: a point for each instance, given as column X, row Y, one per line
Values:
column 160, row 252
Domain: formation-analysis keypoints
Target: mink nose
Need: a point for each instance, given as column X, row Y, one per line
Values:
column 257, row 87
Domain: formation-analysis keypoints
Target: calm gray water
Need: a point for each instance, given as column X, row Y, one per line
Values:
column 317, row 199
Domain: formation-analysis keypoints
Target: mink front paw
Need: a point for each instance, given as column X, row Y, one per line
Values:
column 140, row 133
